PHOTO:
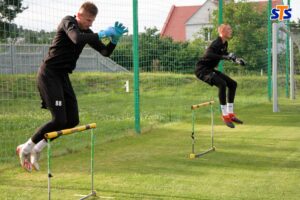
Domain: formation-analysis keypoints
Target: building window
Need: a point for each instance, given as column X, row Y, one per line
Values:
column 207, row 34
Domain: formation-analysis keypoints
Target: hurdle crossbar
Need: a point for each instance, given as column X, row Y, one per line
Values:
column 196, row 106
column 212, row 148
column 56, row 134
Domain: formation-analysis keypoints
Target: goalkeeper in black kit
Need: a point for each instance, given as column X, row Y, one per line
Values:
column 205, row 71
column 54, row 85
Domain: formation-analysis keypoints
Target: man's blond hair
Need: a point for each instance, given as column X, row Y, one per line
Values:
column 222, row 27
column 89, row 8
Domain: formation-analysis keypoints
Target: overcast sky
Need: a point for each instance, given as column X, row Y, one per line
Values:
column 46, row 14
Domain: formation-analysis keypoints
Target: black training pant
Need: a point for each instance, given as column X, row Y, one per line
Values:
column 58, row 97
column 222, row 81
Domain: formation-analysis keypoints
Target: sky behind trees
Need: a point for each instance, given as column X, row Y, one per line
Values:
column 46, row 14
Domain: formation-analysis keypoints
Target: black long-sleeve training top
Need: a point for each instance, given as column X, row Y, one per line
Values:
column 68, row 44
column 212, row 56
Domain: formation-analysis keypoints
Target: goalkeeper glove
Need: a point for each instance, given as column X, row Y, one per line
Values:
column 240, row 61
column 110, row 31
column 119, row 31
column 230, row 56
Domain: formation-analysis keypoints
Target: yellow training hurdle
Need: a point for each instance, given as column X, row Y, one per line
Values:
column 212, row 148
column 56, row 134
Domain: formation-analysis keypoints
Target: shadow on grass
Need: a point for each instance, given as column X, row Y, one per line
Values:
column 101, row 193
column 134, row 195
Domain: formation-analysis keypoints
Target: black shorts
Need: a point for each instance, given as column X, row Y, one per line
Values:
column 206, row 75
column 216, row 78
column 56, row 91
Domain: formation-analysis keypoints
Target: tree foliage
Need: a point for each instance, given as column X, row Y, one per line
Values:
column 158, row 53
column 249, row 25
column 8, row 11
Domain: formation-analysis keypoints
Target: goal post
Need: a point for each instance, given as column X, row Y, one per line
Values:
column 293, row 33
column 294, row 38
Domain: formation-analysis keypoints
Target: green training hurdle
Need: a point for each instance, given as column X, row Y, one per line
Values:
column 56, row 134
column 194, row 108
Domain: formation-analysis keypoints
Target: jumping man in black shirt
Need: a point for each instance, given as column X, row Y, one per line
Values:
column 54, row 85
column 205, row 71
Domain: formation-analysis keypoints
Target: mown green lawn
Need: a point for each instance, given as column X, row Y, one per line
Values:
column 250, row 162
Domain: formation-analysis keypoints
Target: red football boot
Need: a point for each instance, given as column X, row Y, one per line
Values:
column 235, row 119
column 227, row 120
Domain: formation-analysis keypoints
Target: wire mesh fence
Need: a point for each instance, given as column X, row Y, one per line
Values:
column 168, row 85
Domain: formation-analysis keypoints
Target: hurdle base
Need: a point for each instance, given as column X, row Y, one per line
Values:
column 93, row 193
column 193, row 156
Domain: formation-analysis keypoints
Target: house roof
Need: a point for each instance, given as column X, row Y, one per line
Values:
column 175, row 23
column 174, row 26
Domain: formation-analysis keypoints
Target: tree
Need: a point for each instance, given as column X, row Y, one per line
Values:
column 8, row 11
column 249, row 24
column 158, row 53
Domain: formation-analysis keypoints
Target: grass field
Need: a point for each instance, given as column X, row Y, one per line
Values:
column 257, row 160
